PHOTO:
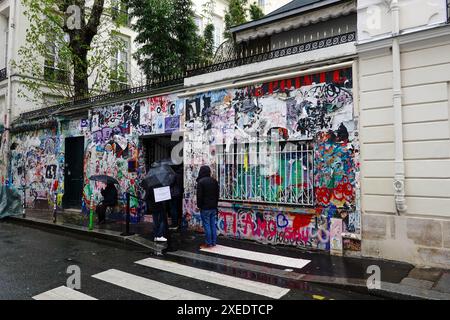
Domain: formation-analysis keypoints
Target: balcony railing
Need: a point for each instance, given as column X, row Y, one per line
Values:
column 3, row 73
column 255, row 56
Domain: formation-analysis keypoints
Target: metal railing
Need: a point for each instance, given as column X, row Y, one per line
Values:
column 249, row 57
column 267, row 173
column 3, row 74
column 245, row 58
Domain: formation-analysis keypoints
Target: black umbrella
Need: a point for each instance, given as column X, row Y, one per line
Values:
column 160, row 176
column 105, row 179
column 163, row 162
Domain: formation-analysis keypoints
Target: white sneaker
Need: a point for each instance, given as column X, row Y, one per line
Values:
column 160, row 239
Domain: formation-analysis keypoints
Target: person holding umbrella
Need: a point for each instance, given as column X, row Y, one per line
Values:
column 109, row 200
column 158, row 177
column 110, row 196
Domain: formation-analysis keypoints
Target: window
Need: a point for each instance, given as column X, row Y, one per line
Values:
column 448, row 11
column 262, row 3
column 120, row 66
column 218, row 32
column 119, row 12
column 280, row 173
column 199, row 23
column 6, row 45
column 55, row 65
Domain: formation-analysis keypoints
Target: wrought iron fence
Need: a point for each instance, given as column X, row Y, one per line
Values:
column 243, row 58
column 267, row 173
column 3, row 74
column 264, row 54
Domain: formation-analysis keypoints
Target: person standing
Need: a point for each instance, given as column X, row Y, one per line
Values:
column 110, row 198
column 208, row 202
column 159, row 213
column 176, row 191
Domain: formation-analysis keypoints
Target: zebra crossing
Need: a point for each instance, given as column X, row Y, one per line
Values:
column 157, row 289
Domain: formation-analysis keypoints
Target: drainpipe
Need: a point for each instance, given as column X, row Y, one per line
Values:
column 9, row 101
column 399, row 179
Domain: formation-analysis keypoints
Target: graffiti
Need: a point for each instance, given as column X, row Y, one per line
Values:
column 317, row 109
column 34, row 166
column 299, row 188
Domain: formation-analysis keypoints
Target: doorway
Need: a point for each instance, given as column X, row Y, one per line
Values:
column 159, row 148
column 73, row 173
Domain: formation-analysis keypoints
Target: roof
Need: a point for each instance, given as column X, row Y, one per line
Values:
column 294, row 7
column 296, row 4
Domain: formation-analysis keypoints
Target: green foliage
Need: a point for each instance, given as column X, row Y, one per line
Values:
column 238, row 13
column 208, row 44
column 235, row 15
column 58, row 61
column 167, row 36
column 255, row 12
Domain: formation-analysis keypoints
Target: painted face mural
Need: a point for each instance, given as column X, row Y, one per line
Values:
column 313, row 164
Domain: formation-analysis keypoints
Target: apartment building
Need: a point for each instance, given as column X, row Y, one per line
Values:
column 404, row 79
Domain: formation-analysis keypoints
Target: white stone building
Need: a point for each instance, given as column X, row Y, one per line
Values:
column 404, row 80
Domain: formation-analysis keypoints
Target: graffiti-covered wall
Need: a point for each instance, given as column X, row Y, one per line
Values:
column 113, row 146
column 306, row 197
column 34, row 165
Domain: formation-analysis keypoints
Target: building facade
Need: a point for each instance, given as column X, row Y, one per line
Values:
column 405, row 141
column 327, row 130
column 284, row 145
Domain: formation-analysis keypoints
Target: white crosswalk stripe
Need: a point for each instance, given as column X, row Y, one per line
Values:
column 258, row 256
column 148, row 287
column 263, row 289
column 62, row 293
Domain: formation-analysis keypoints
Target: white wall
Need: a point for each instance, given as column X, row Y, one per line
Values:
column 421, row 235
column 375, row 20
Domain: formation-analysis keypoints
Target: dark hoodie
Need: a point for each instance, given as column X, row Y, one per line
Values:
column 207, row 190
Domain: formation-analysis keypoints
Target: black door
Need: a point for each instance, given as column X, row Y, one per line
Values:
column 73, row 173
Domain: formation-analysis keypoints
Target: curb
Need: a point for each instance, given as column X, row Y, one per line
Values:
column 298, row 280
column 241, row 269
column 115, row 236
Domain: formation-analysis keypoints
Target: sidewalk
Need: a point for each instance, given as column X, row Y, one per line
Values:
column 398, row 280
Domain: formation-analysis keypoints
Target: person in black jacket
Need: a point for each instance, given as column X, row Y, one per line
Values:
column 109, row 200
column 208, row 202
column 175, row 204
column 159, row 213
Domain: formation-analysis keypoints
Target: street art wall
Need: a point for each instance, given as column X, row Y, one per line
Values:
column 307, row 192
column 114, row 148
column 34, row 166
column 286, row 154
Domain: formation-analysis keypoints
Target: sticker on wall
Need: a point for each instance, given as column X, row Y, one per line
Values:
column 172, row 124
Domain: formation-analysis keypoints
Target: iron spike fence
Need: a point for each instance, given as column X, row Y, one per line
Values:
column 248, row 57
column 235, row 57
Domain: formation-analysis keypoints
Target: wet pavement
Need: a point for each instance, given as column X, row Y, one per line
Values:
column 35, row 261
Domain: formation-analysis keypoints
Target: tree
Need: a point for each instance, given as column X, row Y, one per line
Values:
column 167, row 37
column 235, row 15
column 187, row 40
column 255, row 11
column 63, row 51
column 208, row 44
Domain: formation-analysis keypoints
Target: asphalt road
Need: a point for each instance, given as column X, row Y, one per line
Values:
column 33, row 261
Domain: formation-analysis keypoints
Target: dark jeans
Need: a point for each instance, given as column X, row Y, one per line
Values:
column 159, row 223
column 209, row 218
